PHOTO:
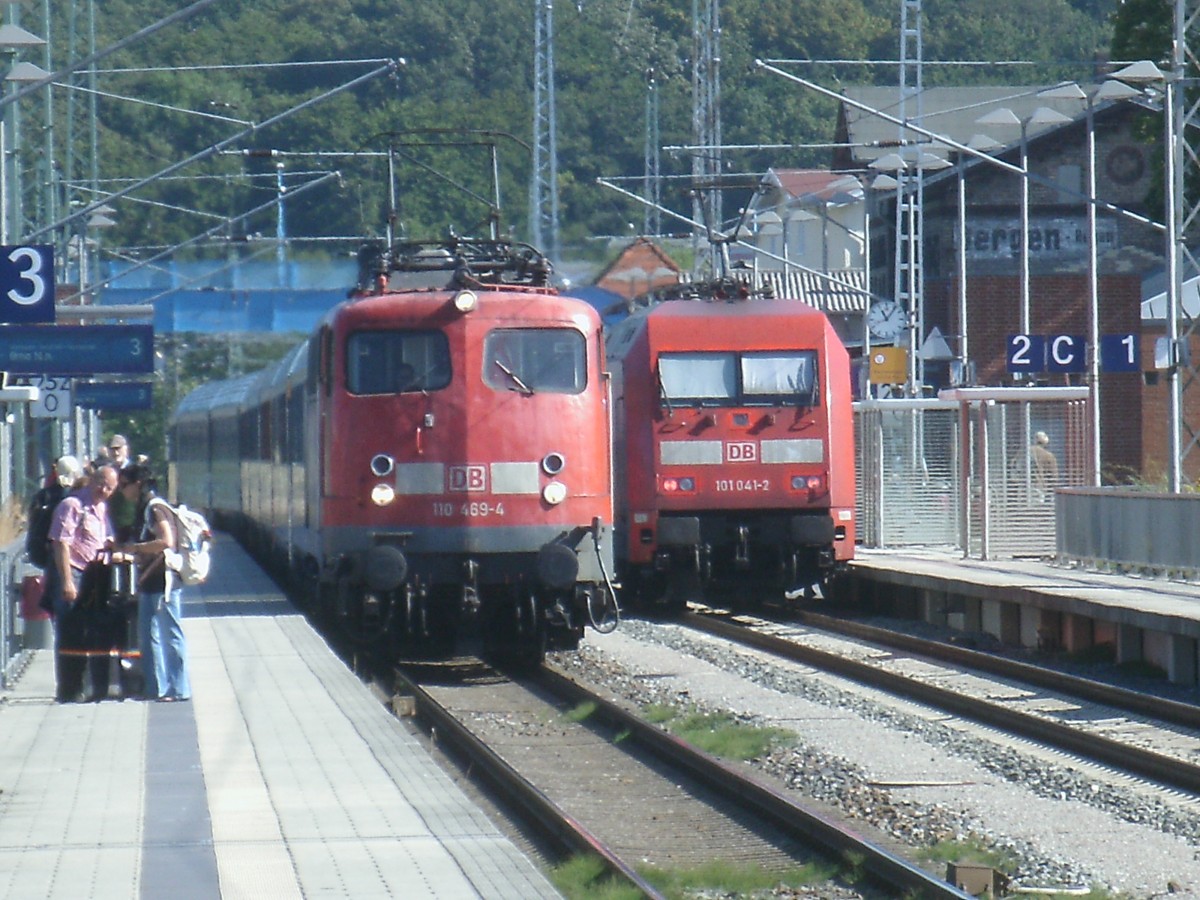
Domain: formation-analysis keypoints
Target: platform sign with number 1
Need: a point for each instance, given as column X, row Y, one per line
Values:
column 27, row 284
column 1120, row 353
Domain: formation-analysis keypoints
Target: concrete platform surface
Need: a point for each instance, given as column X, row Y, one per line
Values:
column 283, row 777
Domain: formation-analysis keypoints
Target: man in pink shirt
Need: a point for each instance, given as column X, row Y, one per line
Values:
column 79, row 531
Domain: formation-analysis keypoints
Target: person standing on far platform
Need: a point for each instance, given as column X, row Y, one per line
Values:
column 1045, row 467
column 160, row 603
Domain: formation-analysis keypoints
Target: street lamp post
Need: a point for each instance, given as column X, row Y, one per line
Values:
column 1147, row 73
column 13, row 38
column 1108, row 91
column 985, row 144
column 1006, row 117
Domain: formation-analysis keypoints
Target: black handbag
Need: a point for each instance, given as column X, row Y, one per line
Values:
column 108, row 586
column 122, row 585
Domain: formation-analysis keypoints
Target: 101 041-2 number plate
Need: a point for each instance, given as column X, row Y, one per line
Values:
column 743, row 485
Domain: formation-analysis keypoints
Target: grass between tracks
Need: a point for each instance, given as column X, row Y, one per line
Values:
column 585, row 878
column 720, row 734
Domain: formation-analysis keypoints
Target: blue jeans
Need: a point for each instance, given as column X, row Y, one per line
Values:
column 163, row 646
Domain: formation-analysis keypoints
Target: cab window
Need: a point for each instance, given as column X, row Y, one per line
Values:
column 709, row 379
column 769, row 378
column 783, row 379
column 535, row 360
column 396, row 362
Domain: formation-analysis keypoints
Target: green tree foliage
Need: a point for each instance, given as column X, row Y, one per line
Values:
column 1142, row 30
column 470, row 65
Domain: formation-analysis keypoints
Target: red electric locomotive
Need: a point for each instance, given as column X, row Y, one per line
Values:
column 734, row 446
column 438, row 454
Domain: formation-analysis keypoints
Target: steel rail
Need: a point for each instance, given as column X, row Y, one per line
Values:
column 1146, row 763
column 734, row 784
column 539, row 810
column 1173, row 711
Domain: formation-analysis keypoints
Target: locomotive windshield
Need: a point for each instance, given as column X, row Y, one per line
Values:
column 777, row 378
column 783, row 378
column 391, row 362
column 535, row 360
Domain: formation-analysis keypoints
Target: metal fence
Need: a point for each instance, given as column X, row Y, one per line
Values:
column 10, row 640
column 1120, row 529
column 974, row 470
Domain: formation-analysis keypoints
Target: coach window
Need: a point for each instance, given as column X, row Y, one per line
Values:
column 394, row 362
column 535, row 360
column 706, row 379
column 780, row 379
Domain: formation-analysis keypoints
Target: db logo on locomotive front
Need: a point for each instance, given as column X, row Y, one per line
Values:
column 467, row 478
column 741, row 451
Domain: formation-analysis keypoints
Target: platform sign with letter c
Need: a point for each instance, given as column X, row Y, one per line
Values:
column 1066, row 353
column 26, row 284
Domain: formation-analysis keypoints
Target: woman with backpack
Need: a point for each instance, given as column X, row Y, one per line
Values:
column 160, row 604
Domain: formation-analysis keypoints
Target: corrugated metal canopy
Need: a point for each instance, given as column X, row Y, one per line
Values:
column 841, row 292
column 952, row 111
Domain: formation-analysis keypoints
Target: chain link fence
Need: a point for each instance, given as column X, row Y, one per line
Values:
column 975, row 472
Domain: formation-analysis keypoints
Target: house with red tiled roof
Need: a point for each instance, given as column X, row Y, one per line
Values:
column 638, row 269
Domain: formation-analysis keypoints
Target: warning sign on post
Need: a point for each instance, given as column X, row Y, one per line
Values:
column 889, row 365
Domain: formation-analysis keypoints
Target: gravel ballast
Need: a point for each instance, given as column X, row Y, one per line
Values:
column 917, row 773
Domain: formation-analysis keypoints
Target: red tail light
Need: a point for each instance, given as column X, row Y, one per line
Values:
column 683, row 485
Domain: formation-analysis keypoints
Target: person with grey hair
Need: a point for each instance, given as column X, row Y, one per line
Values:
column 118, row 451
column 1044, row 466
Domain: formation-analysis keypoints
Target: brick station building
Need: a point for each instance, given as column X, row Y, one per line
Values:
column 1133, row 405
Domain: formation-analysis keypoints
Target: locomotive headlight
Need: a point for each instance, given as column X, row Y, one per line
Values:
column 554, row 493
column 553, row 463
column 687, row 484
column 382, row 465
column 465, row 301
column 383, row 494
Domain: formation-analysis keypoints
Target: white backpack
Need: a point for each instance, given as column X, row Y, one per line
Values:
column 192, row 558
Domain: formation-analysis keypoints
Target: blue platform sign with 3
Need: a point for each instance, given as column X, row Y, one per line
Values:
column 26, row 284
column 76, row 349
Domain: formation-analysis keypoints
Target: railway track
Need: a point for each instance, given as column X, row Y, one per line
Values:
column 612, row 784
column 1152, row 738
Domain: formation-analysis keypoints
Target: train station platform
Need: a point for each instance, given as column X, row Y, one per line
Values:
column 282, row 777
column 1040, row 603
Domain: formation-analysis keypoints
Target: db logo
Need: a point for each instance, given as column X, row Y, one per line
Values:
column 741, row 451
column 468, row 478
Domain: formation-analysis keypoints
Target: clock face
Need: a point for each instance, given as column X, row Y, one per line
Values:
column 886, row 319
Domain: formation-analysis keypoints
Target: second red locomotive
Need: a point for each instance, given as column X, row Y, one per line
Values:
column 734, row 446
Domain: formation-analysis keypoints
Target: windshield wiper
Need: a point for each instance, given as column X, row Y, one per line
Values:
column 662, row 392
column 516, row 379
